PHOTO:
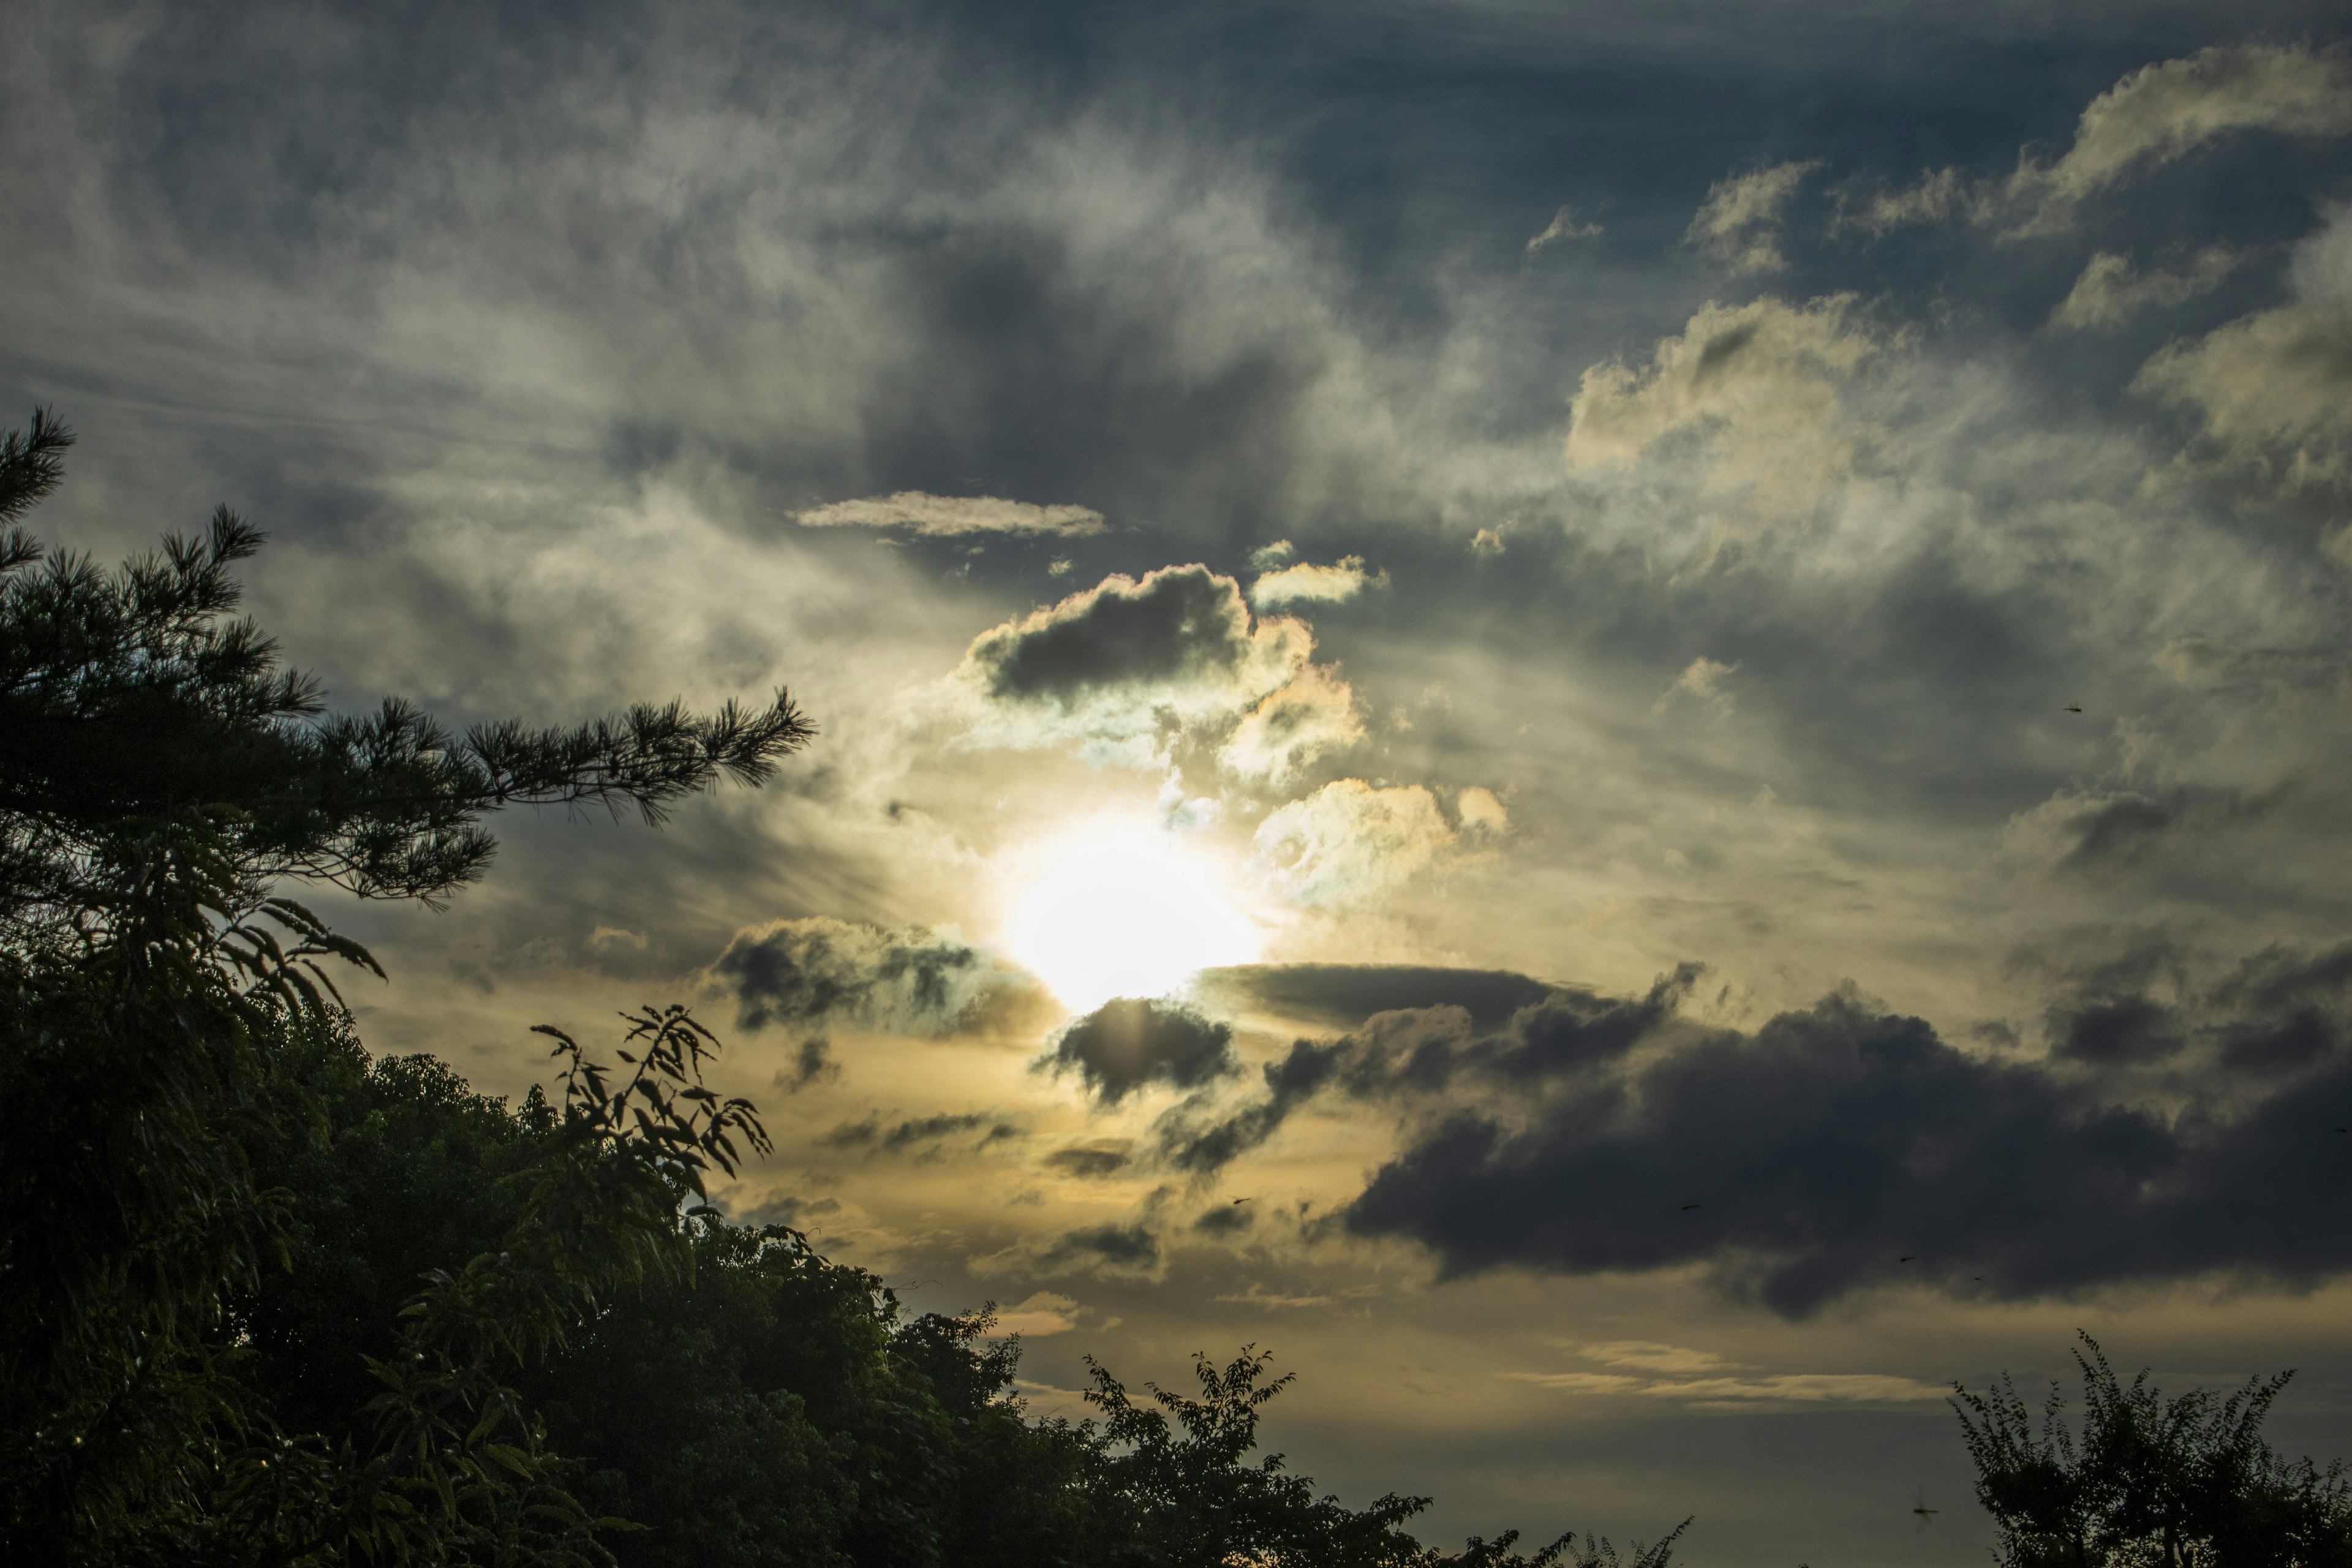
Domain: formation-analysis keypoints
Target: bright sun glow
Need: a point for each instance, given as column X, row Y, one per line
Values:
column 1121, row 910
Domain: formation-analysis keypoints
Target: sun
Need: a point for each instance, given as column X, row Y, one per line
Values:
column 1122, row 909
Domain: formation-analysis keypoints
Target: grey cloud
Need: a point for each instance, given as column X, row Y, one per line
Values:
column 818, row 971
column 1835, row 1140
column 1225, row 1220
column 1126, row 1045
column 1094, row 1158
column 1131, row 1250
column 1180, row 629
column 812, row 1063
column 2118, row 829
column 1426, row 1051
column 2126, row 1030
column 1348, row 994
column 925, row 1135
column 2096, row 832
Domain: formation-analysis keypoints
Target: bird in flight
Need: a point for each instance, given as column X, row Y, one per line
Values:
column 2073, row 707
column 1908, row 1258
column 1687, row 1207
column 1239, row 1201
column 1919, row 1506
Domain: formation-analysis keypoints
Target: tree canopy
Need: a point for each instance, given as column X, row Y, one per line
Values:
column 2149, row 1480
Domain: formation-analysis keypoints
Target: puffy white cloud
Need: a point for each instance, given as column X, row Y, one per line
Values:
column 2110, row 292
column 1740, row 223
column 947, row 516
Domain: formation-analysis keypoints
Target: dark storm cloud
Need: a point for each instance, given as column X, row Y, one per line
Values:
column 1830, row 1145
column 1834, row 1142
column 1348, row 994
column 1125, row 1045
column 818, row 971
column 2110, row 1034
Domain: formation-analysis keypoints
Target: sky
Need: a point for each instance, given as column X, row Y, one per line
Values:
column 1627, row 725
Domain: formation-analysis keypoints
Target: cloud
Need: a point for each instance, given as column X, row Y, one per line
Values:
column 1317, row 713
column 812, row 1063
column 1350, row 843
column 1648, row 1355
column 2162, row 112
column 1108, row 1251
column 1124, row 660
column 2109, row 292
column 1564, row 225
column 1226, row 1219
column 1734, row 1393
column 1094, row 1158
column 1702, row 681
column 1127, row 1045
column 1740, row 223
column 926, row 1136
column 1482, row 814
column 1348, row 994
column 1754, row 388
column 819, row 970
column 949, row 516
column 1936, row 197
column 1427, row 1050
column 2152, row 117
column 1040, row 1315
column 1302, row 582
column 2090, row 831
column 1838, row 1142
column 2272, row 390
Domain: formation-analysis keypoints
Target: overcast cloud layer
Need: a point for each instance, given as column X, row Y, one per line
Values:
column 1724, row 624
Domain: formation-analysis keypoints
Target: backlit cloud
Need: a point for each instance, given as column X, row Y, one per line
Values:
column 952, row 516
column 1124, row 660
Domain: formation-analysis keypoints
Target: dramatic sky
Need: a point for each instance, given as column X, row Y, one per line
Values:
column 1628, row 723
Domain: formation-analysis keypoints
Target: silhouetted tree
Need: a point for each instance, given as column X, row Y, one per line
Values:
column 161, row 776
column 2187, row 1480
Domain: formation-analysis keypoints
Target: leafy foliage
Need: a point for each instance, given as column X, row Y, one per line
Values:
column 2150, row 1479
